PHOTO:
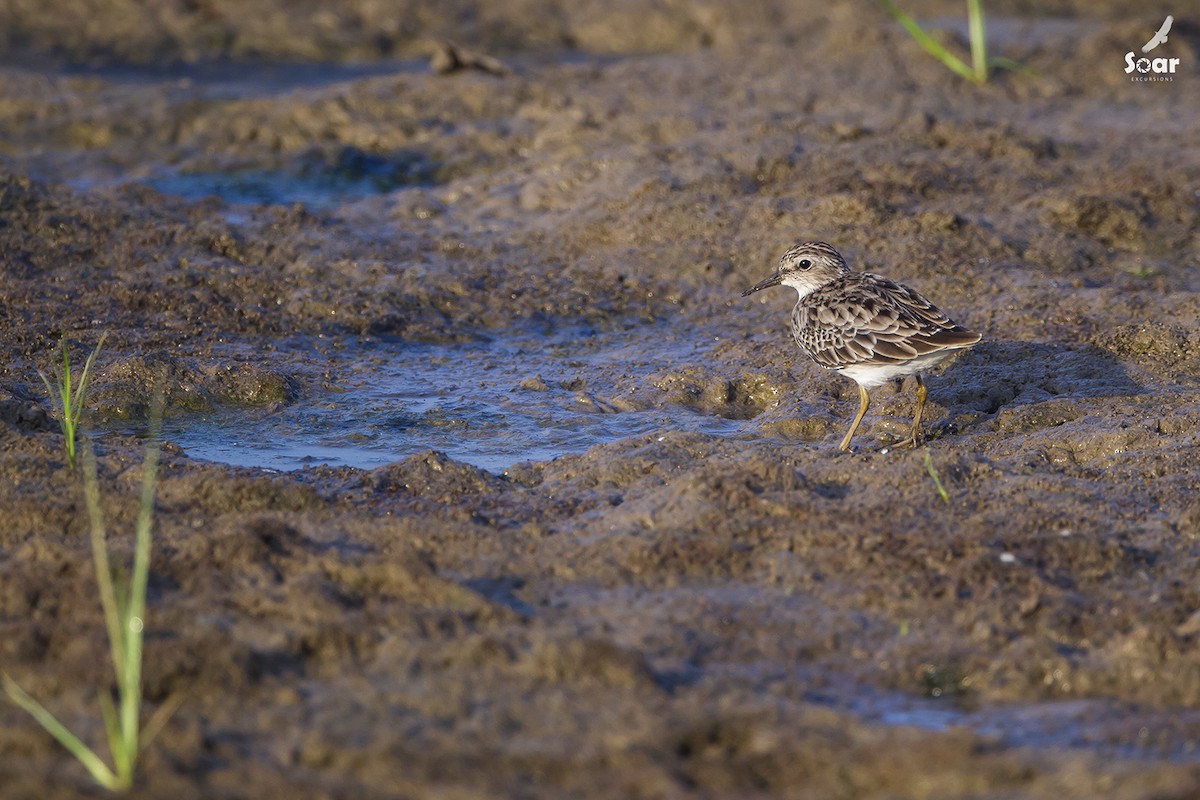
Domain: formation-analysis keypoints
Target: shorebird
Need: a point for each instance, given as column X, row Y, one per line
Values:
column 864, row 326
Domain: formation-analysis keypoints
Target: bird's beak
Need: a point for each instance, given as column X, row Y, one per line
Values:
column 774, row 280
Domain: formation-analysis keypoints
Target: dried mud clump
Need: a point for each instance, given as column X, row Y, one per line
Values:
column 1155, row 345
column 733, row 398
column 1115, row 222
column 123, row 387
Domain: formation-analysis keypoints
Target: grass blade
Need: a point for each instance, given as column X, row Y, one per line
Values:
column 104, row 579
column 91, row 762
column 124, row 604
column 977, row 33
column 72, row 396
column 1011, row 64
column 111, row 726
column 131, row 685
column 65, row 385
column 930, row 45
column 159, row 718
column 937, row 481
column 46, row 381
column 85, row 378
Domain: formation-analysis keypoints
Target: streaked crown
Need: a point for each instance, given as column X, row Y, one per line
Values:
column 814, row 258
column 808, row 266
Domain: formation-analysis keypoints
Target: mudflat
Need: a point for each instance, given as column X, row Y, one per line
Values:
column 481, row 478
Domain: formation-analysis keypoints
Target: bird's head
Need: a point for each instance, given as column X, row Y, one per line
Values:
column 805, row 267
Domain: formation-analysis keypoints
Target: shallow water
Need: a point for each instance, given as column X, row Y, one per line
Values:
column 316, row 181
column 532, row 396
column 267, row 187
column 1104, row 726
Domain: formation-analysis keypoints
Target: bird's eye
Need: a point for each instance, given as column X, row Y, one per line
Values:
column 804, row 263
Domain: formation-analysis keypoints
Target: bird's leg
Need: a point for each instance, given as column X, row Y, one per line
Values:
column 915, row 439
column 864, row 399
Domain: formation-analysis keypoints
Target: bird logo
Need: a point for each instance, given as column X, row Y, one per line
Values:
column 1163, row 68
column 1160, row 37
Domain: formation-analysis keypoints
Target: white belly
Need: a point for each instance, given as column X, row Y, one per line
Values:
column 868, row 375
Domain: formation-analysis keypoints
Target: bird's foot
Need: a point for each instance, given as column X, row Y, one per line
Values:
column 913, row 441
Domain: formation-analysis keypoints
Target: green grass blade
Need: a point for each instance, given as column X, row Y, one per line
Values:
column 72, row 395
column 930, row 45
column 112, row 726
column 1015, row 66
column 65, row 387
column 91, row 762
column 124, row 605
column 85, row 378
column 104, row 580
column 69, row 440
column 131, row 694
column 46, row 381
column 977, row 33
column 937, row 481
column 68, row 413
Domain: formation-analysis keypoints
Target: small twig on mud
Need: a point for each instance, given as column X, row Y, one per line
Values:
column 449, row 57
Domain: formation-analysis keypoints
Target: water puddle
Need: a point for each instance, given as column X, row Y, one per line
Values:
column 317, row 181
column 490, row 403
column 1106, row 726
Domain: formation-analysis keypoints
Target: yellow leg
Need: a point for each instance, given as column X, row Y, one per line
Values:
column 915, row 439
column 921, row 394
column 864, row 399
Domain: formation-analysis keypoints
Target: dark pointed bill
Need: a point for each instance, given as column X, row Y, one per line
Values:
column 774, row 280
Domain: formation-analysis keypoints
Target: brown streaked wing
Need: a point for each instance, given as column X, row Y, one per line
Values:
column 868, row 319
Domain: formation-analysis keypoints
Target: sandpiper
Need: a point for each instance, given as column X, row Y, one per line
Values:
column 864, row 326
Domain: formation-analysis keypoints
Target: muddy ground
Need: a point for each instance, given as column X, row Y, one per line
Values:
column 673, row 615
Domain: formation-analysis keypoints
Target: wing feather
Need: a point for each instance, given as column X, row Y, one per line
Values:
column 867, row 320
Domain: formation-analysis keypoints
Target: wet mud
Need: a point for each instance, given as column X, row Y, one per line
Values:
column 573, row 521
